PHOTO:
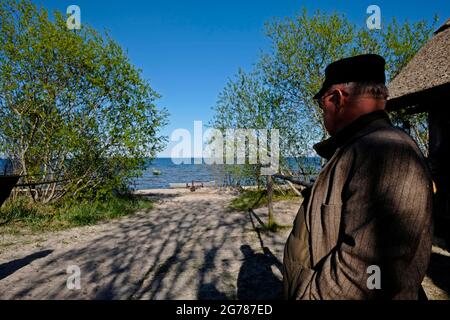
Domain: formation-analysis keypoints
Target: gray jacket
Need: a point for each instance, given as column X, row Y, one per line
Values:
column 370, row 206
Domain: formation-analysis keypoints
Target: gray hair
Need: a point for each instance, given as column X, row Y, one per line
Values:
column 376, row 90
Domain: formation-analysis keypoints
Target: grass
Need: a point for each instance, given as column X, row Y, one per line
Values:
column 24, row 215
column 248, row 198
column 273, row 227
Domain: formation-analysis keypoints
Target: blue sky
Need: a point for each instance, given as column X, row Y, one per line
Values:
column 187, row 49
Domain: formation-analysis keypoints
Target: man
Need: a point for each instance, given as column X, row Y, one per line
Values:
column 364, row 229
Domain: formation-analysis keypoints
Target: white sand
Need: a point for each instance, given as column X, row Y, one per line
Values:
column 187, row 247
column 190, row 246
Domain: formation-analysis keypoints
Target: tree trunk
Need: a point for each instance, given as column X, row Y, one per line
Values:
column 269, row 201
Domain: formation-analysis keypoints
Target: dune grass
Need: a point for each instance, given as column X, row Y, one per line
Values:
column 22, row 214
column 248, row 198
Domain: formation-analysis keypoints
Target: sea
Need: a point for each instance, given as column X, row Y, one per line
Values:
column 171, row 172
column 162, row 172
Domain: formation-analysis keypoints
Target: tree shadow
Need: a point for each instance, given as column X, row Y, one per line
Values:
column 256, row 280
column 178, row 250
column 207, row 289
column 152, row 195
column 184, row 249
column 8, row 268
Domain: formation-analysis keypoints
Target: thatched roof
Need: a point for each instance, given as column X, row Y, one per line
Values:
column 426, row 75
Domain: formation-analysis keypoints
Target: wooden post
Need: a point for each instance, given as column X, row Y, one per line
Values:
column 269, row 201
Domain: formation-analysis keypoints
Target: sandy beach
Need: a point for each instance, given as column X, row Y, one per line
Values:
column 190, row 246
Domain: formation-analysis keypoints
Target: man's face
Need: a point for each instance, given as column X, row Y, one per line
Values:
column 340, row 108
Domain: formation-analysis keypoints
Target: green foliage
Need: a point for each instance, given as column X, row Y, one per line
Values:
column 239, row 175
column 88, row 213
column 72, row 107
column 303, row 46
column 278, row 93
column 274, row 227
column 22, row 213
column 248, row 198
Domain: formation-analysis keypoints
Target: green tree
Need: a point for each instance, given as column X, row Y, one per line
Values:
column 247, row 103
column 304, row 45
column 242, row 104
column 278, row 93
column 73, row 109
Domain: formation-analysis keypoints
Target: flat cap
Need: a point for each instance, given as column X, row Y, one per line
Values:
column 362, row 68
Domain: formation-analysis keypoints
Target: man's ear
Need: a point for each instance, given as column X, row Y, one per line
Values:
column 337, row 99
column 340, row 98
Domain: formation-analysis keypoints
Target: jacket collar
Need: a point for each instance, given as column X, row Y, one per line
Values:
column 362, row 125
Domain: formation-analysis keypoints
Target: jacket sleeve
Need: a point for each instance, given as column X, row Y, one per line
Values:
column 385, row 222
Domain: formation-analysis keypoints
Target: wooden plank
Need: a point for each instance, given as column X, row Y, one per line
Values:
column 270, row 200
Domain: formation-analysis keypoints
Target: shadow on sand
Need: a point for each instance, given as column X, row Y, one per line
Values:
column 8, row 268
column 256, row 280
column 438, row 271
column 185, row 250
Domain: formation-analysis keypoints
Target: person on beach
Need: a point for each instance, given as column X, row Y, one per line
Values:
column 364, row 230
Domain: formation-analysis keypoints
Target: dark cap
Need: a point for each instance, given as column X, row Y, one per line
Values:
column 363, row 68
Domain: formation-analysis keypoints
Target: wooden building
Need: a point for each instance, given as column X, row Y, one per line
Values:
column 423, row 85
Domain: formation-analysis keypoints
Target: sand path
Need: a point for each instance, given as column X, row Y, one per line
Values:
column 190, row 246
